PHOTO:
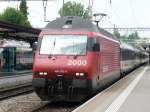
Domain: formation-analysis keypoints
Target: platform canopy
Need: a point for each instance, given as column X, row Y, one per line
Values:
column 17, row 32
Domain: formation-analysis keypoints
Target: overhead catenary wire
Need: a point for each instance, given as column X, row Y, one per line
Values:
column 115, row 13
column 90, row 4
column 45, row 4
column 133, row 12
column 45, row 7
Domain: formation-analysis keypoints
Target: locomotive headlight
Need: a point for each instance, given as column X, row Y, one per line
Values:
column 80, row 74
column 77, row 74
column 43, row 73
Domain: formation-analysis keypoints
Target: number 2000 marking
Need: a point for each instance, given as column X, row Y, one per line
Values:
column 77, row 62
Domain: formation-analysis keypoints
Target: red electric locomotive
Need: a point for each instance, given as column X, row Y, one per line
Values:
column 74, row 59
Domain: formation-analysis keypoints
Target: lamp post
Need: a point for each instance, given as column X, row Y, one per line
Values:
column 63, row 3
column 148, row 50
column 62, row 6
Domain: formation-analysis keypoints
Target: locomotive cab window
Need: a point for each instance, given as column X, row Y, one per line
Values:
column 64, row 45
column 93, row 44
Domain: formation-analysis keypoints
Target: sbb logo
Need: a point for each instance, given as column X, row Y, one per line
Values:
column 77, row 63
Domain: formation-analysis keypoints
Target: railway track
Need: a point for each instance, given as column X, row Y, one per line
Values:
column 15, row 90
column 57, row 107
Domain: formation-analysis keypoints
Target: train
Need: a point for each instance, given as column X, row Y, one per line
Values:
column 132, row 57
column 75, row 58
column 15, row 56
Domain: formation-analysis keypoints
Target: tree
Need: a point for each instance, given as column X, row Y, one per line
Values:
column 117, row 34
column 74, row 9
column 23, row 8
column 133, row 36
column 14, row 16
column 130, row 39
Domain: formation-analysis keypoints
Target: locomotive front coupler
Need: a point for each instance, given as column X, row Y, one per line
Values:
column 50, row 89
column 70, row 90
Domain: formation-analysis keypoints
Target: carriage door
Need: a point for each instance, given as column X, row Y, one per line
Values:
column 8, row 59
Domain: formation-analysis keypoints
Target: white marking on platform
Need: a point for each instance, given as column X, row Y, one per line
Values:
column 98, row 108
column 115, row 106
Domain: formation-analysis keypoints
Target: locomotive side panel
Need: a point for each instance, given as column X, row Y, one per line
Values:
column 110, row 60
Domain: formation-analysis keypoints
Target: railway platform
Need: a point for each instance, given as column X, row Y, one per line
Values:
column 15, row 80
column 130, row 94
column 21, row 72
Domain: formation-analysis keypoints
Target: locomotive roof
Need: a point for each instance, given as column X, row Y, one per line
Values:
column 75, row 23
column 71, row 23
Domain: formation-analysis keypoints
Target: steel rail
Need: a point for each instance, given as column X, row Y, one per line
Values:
column 15, row 90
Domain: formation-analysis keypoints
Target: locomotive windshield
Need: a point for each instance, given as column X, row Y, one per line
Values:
column 64, row 45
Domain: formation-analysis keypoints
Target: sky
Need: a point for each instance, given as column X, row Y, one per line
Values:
column 122, row 13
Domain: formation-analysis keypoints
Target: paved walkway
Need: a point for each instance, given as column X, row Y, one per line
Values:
column 130, row 94
column 20, row 72
column 139, row 98
column 14, row 80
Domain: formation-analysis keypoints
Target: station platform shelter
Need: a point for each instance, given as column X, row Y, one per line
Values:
column 13, row 58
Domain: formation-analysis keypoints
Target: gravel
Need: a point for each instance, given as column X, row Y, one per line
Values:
column 23, row 103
